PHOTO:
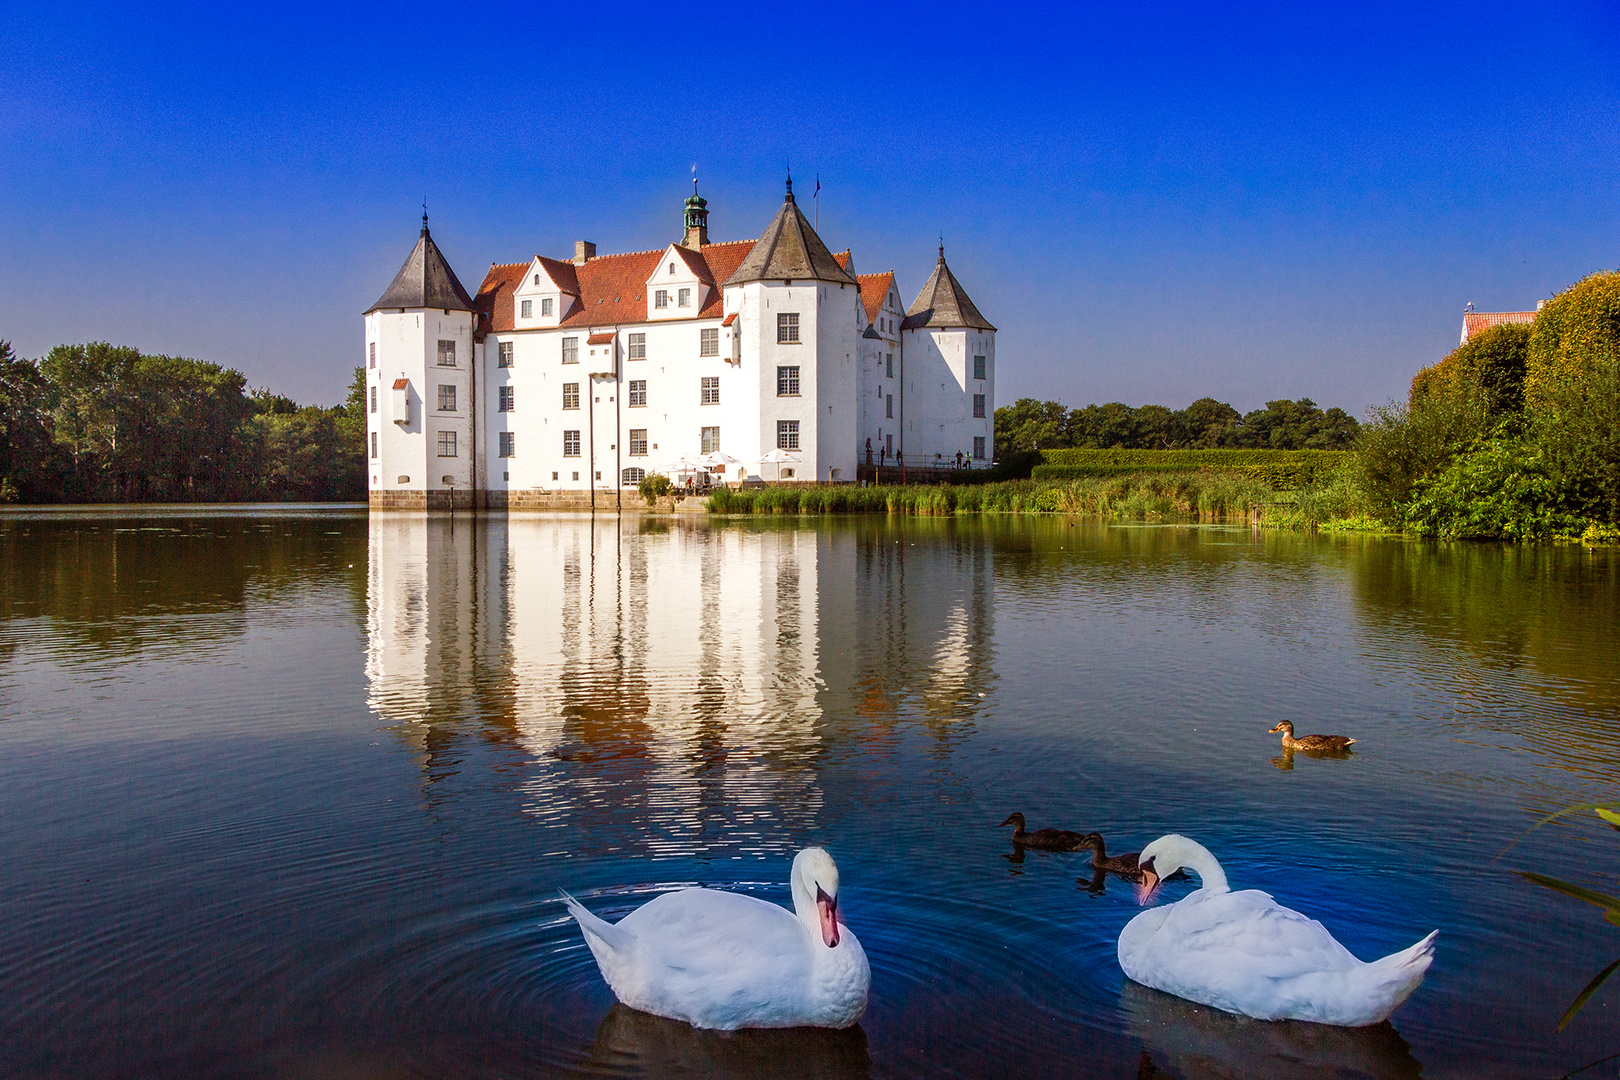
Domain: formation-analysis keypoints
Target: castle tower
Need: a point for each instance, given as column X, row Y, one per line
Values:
column 950, row 352
column 697, row 220
column 799, row 334
column 421, row 396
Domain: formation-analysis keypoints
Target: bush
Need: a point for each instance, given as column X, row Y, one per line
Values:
column 653, row 487
column 1402, row 445
column 1491, row 363
column 1498, row 489
column 1279, row 468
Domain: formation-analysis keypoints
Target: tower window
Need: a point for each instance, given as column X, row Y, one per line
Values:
column 711, row 391
column 636, row 347
column 787, row 434
column 888, row 406
column 447, row 444
column 683, row 298
column 709, row 440
column 661, row 299
column 570, row 349
column 447, row 354
column 978, row 448
column 372, row 349
column 638, row 442
column 447, row 398
column 506, row 403
column 787, row 381
column 571, row 446
column 508, row 444
column 709, row 341
column 505, row 354
column 978, row 405
column 373, row 444
column 570, row 395
column 978, row 367
column 545, row 307
column 888, row 368
column 638, row 393
column 373, row 399
column 787, row 328
column 526, row 309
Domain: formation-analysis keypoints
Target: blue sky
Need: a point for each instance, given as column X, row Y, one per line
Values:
column 1153, row 206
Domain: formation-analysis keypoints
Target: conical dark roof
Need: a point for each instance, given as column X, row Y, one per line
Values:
column 425, row 281
column 790, row 250
column 944, row 303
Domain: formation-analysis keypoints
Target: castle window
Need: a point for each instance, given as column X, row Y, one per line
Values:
column 711, row 391
column 787, row 381
column 978, row 405
column 787, row 328
column 661, row 298
column 506, row 404
column 710, row 440
column 571, row 446
column 526, row 309
column 372, row 349
column 570, row 346
column 537, row 280
column 978, row 367
column 447, row 354
column 447, row 398
column 447, row 444
column 638, row 442
column 508, row 448
column 636, row 347
column 671, row 269
column 638, row 393
column 570, row 395
column 888, row 406
column 787, row 434
column 888, row 366
column 373, row 444
column 683, row 298
column 506, row 354
column 545, row 307
column 633, row 476
column 373, row 399
column 709, row 341
column 978, row 448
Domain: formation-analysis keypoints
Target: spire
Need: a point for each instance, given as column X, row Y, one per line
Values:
column 697, row 218
column 790, row 250
column 425, row 281
column 943, row 303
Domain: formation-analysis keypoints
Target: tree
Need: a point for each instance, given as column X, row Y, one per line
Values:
column 1572, row 393
column 1492, row 362
column 1210, row 423
column 1028, row 425
column 26, row 448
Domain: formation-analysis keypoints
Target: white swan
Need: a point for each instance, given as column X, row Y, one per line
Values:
column 1245, row 953
column 726, row 961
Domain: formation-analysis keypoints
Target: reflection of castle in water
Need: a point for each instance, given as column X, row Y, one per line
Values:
column 669, row 686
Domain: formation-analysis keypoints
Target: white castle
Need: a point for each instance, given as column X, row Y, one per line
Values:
column 750, row 360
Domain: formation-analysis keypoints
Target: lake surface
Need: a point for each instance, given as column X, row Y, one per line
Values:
column 291, row 792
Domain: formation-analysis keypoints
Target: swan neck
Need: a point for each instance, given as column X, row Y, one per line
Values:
column 1211, row 878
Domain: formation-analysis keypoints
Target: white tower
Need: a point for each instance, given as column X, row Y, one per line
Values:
column 422, row 408
column 799, row 335
column 950, row 352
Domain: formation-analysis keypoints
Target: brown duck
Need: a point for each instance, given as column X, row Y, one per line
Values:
column 1123, row 865
column 1044, row 839
column 1309, row 742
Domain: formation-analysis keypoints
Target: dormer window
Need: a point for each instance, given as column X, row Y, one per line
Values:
column 683, row 298
column 661, row 299
column 545, row 308
column 527, row 309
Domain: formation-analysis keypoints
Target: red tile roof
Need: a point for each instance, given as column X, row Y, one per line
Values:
column 874, row 288
column 729, row 319
column 611, row 288
column 400, row 384
column 1476, row 321
column 600, row 339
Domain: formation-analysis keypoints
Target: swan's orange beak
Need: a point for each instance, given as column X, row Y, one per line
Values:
column 827, row 908
column 1150, row 883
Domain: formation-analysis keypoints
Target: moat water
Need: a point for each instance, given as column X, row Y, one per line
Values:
column 290, row 792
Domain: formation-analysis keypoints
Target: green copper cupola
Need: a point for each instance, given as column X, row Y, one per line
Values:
column 697, row 220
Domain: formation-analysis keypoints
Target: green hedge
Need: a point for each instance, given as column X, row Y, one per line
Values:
column 1279, row 468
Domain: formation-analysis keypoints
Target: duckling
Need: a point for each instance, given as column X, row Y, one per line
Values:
column 1123, row 865
column 1044, row 839
column 1309, row 742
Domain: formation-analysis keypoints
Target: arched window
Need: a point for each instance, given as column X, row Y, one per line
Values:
column 633, row 477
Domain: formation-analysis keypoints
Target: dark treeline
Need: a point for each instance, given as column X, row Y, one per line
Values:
column 107, row 423
column 1028, row 425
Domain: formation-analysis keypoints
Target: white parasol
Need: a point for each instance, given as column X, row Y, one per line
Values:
column 778, row 457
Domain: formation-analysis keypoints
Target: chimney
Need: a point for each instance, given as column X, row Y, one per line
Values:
column 584, row 252
column 1540, row 304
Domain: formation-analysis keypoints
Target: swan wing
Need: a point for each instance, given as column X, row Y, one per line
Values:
column 1249, row 934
